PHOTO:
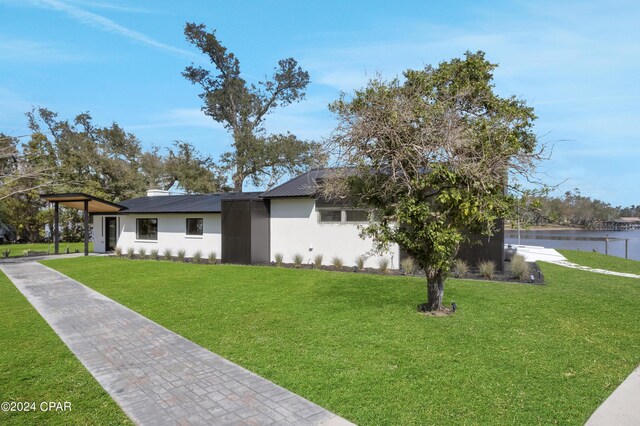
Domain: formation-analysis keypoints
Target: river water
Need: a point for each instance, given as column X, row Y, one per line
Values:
column 581, row 240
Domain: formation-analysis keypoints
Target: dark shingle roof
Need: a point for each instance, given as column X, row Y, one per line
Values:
column 302, row 186
column 202, row 203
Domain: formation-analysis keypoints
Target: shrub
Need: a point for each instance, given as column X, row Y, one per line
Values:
column 383, row 264
column 167, row 254
column 6, row 253
column 197, row 256
column 336, row 261
column 297, row 260
column 213, row 257
column 278, row 257
column 26, row 252
column 408, row 265
column 131, row 253
column 460, row 268
column 317, row 261
column 181, row 255
column 360, row 263
column 142, row 253
column 154, row 254
column 487, row 268
column 519, row 267
column 118, row 251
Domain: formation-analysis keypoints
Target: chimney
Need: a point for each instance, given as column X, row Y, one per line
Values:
column 157, row 193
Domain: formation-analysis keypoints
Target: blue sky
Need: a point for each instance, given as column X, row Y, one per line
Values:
column 577, row 63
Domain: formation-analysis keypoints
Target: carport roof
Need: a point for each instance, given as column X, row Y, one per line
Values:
column 76, row 200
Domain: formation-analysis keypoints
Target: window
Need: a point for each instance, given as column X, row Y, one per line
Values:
column 342, row 216
column 357, row 216
column 147, row 229
column 330, row 216
column 194, row 226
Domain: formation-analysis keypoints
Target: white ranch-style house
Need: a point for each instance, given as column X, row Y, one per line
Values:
column 246, row 228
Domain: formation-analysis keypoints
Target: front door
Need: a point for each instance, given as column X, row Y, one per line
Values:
column 111, row 233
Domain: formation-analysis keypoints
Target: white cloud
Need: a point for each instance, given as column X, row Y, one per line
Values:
column 105, row 24
column 111, row 6
column 178, row 117
column 19, row 50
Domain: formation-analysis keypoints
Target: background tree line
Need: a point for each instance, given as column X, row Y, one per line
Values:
column 77, row 155
column 572, row 209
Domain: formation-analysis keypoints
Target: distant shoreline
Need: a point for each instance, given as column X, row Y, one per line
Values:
column 547, row 228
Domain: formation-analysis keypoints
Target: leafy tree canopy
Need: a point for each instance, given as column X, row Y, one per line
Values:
column 432, row 154
column 79, row 156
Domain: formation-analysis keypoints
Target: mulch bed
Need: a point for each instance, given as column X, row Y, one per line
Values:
column 474, row 273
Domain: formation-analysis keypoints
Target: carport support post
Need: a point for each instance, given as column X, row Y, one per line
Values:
column 86, row 228
column 56, row 232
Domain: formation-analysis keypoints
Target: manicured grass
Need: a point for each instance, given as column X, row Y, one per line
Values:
column 354, row 343
column 36, row 366
column 602, row 261
column 41, row 248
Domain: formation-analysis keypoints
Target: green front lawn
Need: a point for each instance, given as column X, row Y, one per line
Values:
column 36, row 366
column 602, row 261
column 42, row 248
column 353, row 343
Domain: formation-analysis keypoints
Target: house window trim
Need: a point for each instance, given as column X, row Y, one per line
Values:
column 138, row 238
column 186, row 230
column 367, row 220
column 343, row 216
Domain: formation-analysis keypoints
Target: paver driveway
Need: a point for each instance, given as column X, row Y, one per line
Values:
column 155, row 375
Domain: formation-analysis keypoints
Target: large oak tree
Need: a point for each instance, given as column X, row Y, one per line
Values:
column 242, row 108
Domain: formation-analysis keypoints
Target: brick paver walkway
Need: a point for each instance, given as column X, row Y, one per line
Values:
column 155, row 375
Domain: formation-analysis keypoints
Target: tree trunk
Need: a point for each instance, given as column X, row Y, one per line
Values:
column 237, row 184
column 435, row 291
column 238, row 179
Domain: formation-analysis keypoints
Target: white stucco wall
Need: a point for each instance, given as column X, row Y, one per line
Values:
column 295, row 229
column 171, row 234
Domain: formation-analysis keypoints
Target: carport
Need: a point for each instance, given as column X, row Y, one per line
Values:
column 81, row 201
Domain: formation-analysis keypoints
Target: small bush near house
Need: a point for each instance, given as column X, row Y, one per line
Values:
column 6, row 253
column 359, row 263
column 181, row 254
column 297, row 260
column 519, row 267
column 213, row 257
column 317, row 261
column 487, row 269
column 131, row 253
column 154, row 254
column 278, row 257
column 118, row 251
column 197, row 256
column 167, row 254
column 408, row 265
column 460, row 268
column 337, row 262
column 142, row 253
column 383, row 264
